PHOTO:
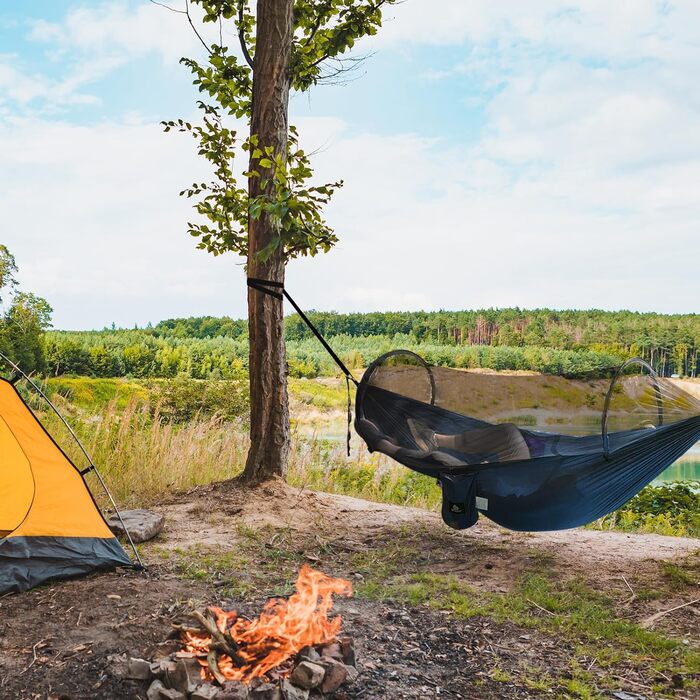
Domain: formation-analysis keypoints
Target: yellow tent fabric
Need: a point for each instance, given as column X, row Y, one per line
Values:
column 49, row 523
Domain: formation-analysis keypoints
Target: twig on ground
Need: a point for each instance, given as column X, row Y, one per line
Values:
column 649, row 621
column 629, row 680
column 539, row 607
column 33, row 661
column 633, row 596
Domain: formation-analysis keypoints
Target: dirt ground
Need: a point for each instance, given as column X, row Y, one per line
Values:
column 231, row 547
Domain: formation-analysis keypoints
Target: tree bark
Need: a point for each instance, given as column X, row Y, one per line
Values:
column 269, row 404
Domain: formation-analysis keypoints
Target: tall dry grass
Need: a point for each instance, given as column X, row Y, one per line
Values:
column 144, row 457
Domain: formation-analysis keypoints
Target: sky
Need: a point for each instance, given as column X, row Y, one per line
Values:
column 494, row 152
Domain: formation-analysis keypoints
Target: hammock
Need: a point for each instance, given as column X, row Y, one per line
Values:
column 521, row 477
column 480, row 434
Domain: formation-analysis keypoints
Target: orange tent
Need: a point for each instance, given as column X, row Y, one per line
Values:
column 50, row 525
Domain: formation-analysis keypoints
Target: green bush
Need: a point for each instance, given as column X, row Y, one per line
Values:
column 302, row 369
column 181, row 399
column 668, row 509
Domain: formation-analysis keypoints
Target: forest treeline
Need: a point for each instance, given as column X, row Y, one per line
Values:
column 573, row 343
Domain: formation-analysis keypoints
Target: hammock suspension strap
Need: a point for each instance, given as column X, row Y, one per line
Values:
column 277, row 290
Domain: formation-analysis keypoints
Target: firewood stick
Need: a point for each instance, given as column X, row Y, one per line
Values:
column 219, row 638
column 213, row 664
column 210, row 626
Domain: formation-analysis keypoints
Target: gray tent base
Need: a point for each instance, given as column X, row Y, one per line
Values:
column 26, row 562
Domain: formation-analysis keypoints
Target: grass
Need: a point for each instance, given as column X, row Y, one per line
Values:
column 588, row 624
column 91, row 394
column 142, row 458
column 596, row 642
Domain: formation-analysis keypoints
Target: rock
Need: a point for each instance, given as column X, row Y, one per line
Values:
column 187, row 676
column 352, row 672
column 163, row 668
column 153, row 692
column 309, row 654
column 347, row 646
column 143, row 525
column 266, row 691
column 172, row 694
column 233, row 690
column 335, row 675
column 206, row 692
column 332, row 651
column 307, row 675
column 293, row 692
column 157, row 691
column 138, row 669
column 157, row 670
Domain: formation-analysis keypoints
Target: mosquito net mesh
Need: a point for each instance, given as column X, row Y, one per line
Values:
column 457, row 418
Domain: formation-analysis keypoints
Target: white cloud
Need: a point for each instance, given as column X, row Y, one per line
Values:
column 87, row 45
column 93, row 215
column 120, row 29
column 20, row 88
column 580, row 191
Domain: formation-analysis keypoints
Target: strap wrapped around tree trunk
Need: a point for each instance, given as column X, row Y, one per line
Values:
column 270, row 288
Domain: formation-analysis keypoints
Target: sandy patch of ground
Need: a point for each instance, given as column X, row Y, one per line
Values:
column 210, row 514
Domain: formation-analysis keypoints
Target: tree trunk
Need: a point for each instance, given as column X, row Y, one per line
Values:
column 269, row 405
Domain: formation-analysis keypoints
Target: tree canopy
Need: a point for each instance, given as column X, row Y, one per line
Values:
column 324, row 31
column 24, row 317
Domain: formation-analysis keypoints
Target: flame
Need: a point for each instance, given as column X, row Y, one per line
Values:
column 284, row 627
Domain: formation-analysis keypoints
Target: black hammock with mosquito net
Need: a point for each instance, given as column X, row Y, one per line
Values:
column 530, row 451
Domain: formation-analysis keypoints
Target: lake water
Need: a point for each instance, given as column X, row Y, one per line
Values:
column 687, row 468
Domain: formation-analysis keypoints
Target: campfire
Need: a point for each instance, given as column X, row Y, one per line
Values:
column 292, row 648
column 231, row 647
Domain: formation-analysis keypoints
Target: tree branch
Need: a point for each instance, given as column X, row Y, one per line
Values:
column 194, row 29
column 167, row 7
column 241, row 36
column 316, row 27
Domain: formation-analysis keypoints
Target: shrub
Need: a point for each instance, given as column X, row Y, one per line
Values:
column 182, row 399
column 668, row 509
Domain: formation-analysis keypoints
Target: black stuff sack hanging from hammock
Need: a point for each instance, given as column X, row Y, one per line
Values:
column 532, row 452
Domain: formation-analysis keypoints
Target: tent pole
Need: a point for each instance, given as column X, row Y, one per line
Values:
column 92, row 466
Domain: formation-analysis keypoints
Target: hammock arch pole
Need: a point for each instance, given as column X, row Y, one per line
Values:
column 20, row 374
column 608, row 397
column 367, row 377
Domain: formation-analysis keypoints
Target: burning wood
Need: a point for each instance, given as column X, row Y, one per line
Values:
column 231, row 647
column 290, row 649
